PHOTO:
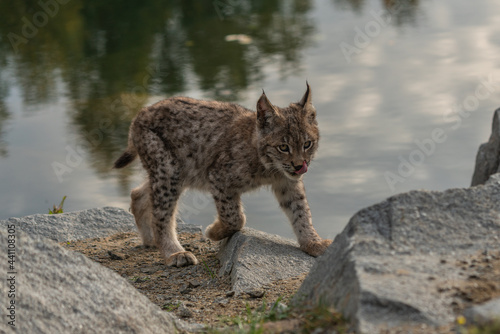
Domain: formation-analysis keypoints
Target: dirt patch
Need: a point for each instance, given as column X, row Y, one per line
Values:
column 481, row 280
column 198, row 294
column 194, row 293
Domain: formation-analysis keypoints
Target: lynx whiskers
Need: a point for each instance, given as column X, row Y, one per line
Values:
column 225, row 149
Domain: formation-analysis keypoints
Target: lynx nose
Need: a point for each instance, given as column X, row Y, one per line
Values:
column 300, row 169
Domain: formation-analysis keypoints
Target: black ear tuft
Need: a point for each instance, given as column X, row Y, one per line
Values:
column 307, row 98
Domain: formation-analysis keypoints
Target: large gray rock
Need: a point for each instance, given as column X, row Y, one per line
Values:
column 488, row 155
column 254, row 259
column 58, row 291
column 91, row 223
column 484, row 314
column 391, row 264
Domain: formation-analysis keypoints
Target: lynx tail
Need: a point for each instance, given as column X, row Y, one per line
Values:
column 126, row 158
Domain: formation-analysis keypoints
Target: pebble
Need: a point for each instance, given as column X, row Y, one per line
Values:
column 194, row 283
column 115, row 256
column 281, row 308
column 191, row 298
column 149, row 270
column 164, row 297
column 255, row 293
column 184, row 289
column 221, row 301
column 184, row 312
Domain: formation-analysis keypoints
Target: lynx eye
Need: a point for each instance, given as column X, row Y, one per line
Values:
column 307, row 144
column 284, row 148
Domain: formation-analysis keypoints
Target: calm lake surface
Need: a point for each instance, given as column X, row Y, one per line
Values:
column 405, row 92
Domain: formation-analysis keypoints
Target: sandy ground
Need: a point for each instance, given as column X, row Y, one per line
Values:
column 194, row 293
column 198, row 294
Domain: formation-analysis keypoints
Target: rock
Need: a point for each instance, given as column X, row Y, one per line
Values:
column 193, row 283
column 92, row 223
column 488, row 155
column 115, row 256
column 188, row 228
column 150, row 270
column 221, row 301
column 186, row 327
column 254, row 259
column 59, row 291
column 281, row 308
column 184, row 289
column 184, row 311
column 255, row 293
column 376, row 271
column 483, row 314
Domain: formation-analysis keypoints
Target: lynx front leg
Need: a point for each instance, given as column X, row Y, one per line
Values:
column 231, row 218
column 292, row 199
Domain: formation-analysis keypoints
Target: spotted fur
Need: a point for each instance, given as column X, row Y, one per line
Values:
column 224, row 149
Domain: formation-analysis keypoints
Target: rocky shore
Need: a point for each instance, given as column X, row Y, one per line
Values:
column 418, row 262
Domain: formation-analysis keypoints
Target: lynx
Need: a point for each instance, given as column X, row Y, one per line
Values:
column 225, row 149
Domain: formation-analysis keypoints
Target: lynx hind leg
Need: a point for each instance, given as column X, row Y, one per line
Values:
column 164, row 226
column 165, row 188
column 230, row 220
column 143, row 213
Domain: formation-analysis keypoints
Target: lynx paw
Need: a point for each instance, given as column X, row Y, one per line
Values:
column 181, row 259
column 316, row 248
column 218, row 232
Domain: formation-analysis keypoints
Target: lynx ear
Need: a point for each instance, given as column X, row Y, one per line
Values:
column 265, row 109
column 307, row 98
column 307, row 106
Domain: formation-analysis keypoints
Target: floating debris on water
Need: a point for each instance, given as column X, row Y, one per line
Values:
column 240, row 38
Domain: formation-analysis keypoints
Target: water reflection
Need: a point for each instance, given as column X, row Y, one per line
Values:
column 401, row 11
column 86, row 72
column 111, row 56
column 4, row 114
column 355, row 5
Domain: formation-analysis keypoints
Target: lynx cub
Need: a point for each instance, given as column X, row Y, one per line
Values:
column 227, row 150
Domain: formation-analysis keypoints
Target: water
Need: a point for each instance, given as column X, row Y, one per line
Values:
column 395, row 87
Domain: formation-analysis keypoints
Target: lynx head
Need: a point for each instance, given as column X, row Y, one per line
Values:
column 287, row 137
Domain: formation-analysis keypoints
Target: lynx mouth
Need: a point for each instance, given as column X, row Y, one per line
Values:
column 303, row 170
column 296, row 174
